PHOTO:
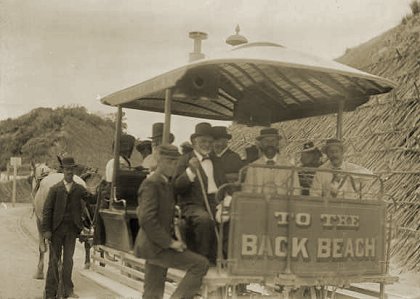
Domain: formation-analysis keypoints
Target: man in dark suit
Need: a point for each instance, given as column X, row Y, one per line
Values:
column 62, row 223
column 155, row 241
column 197, row 179
column 230, row 161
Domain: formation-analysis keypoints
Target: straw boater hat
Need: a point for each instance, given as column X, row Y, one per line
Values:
column 157, row 132
column 221, row 132
column 202, row 129
column 332, row 142
column 68, row 162
column 268, row 132
column 168, row 151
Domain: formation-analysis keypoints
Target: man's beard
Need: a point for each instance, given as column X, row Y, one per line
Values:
column 270, row 151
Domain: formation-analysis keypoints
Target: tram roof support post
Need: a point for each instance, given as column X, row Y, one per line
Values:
column 339, row 133
column 116, row 166
column 167, row 124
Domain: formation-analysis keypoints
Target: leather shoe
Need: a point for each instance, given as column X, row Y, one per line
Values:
column 71, row 295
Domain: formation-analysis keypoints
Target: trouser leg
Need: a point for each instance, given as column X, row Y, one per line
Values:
column 51, row 282
column 154, row 281
column 194, row 264
column 204, row 235
column 68, row 251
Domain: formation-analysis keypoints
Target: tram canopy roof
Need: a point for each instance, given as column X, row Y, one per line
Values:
column 256, row 84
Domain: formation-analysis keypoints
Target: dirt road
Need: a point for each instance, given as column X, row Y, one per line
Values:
column 19, row 257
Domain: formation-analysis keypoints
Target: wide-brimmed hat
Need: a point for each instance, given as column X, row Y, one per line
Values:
column 202, row 129
column 332, row 142
column 268, row 132
column 221, row 132
column 68, row 162
column 168, row 151
column 310, row 147
column 157, row 132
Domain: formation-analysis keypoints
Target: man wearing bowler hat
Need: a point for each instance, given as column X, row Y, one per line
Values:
column 62, row 223
column 229, row 160
column 157, row 138
column 266, row 180
column 310, row 156
column 197, row 179
column 338, row 184
column 155, row 241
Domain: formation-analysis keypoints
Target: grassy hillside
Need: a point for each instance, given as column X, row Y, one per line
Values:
column 383, row 134
column 44, row 133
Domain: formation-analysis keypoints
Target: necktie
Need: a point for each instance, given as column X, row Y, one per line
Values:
column 270, row 162
column 205, row 158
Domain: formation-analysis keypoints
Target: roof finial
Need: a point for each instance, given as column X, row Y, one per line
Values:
column 236, row 39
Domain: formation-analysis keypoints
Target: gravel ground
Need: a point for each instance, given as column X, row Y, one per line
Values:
column 19, row 257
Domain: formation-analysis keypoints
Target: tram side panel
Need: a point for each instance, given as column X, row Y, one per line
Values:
column 323, row 238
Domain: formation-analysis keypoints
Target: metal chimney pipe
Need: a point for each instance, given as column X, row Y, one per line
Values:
column 197, row 36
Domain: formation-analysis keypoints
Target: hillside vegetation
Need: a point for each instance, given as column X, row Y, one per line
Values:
column 383, row 134
column 44, row 133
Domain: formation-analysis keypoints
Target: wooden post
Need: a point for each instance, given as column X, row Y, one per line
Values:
column 167, row 125
column 14, row 185
column 117, row 138
column 339, row 133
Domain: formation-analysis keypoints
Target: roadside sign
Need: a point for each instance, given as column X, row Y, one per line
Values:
column 16, row 161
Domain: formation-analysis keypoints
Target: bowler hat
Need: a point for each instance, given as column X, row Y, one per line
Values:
column 168, row 151
column 332, row 142
column 221, row 132
column 68, row 162
column 202, row 129
column 157, row 132
column 268, row 132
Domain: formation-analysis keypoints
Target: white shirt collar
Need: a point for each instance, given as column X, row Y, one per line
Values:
column 199, row 156
column 272, row 159
column 222, row 153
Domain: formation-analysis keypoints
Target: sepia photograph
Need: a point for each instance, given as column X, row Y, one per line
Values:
column 184, row 149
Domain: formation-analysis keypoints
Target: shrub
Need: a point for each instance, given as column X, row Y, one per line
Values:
column 415, row 7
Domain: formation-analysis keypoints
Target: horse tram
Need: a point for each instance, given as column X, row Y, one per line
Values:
column 280, row 245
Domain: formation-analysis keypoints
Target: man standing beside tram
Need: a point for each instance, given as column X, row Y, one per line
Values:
column 196, row 181
column 336, row 184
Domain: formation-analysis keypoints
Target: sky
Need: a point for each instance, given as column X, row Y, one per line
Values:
column 55, row 53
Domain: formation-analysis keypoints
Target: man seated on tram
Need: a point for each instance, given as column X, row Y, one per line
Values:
column 196, row 181
column 126, row 149
column 310, row 156
column 144, row 148
column 337, row 184
column 270, row 180
column 155, row 242
column 150, row 162
column 230, row 161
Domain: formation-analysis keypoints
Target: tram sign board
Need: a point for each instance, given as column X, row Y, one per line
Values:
column 321, row 238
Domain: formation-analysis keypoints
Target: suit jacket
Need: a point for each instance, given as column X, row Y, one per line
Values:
column 230, row 161
column 324, row 185
column 55, row 205
column 189, row 193
column 271, row 181
column 155, row 213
